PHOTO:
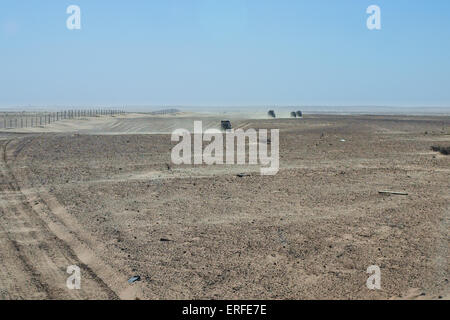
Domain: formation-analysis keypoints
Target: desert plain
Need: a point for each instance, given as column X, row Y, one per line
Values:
column 102, row 194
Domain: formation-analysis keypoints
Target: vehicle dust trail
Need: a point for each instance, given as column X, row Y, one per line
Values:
column 34, row 259
column 130, row 124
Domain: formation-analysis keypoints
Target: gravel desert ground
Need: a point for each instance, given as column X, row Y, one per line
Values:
column 102, row 194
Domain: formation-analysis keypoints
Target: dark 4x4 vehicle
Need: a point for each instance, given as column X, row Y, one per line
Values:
column 226, row 125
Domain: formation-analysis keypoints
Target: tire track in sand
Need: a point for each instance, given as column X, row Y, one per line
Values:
column 35, row 257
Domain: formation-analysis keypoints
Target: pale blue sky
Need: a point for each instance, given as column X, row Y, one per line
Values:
column 228, row 52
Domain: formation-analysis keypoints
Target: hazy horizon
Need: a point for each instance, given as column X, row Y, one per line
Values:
column 402, row 110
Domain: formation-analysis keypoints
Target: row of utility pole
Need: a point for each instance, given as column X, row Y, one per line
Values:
column 40, row 119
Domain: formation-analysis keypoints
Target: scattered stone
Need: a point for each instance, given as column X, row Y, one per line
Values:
column 393, row 192
column 134, row 279
column 442, row 150
column 242, row 175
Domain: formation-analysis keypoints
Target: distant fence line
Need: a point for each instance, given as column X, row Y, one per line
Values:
column 14, row 120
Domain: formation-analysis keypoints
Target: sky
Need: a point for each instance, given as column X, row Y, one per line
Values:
column 225, row 53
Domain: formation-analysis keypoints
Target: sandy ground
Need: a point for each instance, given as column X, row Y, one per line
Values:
column 101, row 194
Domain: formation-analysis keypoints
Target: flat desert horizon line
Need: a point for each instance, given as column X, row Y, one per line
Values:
column 318, row 109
